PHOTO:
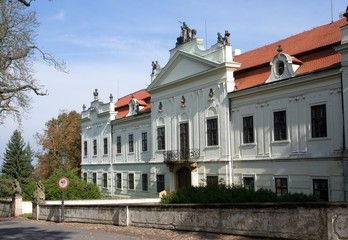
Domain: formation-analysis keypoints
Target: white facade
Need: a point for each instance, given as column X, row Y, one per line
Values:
column 201, row 130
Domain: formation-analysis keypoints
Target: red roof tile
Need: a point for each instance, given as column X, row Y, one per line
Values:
column 143, row 97
column 313, row 48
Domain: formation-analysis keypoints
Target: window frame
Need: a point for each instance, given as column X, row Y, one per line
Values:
column 95, row 178
column 144, row 182
column 95, row 147
column 85, row 148
column 160, row 183
column 85, row 176
column 118, row 180
column 283, row 190
column 212, row 131
column 131, row 143
column 118, row 144
column 280, row 132
column 320, row 192
column 248, row 185
column 212, row 180
column 161, row 138
column 105, row 146
column 131, row 185
column 248, row 131
column 144, row 142
column 105, row 180
column 318, row 116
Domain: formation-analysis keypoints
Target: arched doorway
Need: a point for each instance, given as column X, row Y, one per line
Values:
column 183, row 176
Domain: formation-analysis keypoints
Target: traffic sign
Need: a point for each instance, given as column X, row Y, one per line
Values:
column 63, row 183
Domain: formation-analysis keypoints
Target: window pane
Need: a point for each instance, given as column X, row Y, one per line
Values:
column 118, row 180
column 85, row 148
column 94, row 147
column 318, row 120
column 144, row 182
column 212, row 132
column 281, row 186
column 248, row 129
column 105, row 146
column 212, row 180
column 160, row 182
column 105, row 180
column 130, row 143
column 249, row 183
column 161, row 138
column 118, row 143
column 280, row 130
column 321, row 188
column 144, row 142
column 131, row 181
column 94, row 178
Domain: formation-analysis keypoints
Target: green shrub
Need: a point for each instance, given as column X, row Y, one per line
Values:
column 77, row 189
column 222, row 193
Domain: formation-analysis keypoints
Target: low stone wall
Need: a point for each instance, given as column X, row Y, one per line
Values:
column 6, row 208
column 284, row 221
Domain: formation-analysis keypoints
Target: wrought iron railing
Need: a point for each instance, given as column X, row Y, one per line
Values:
column 186, row 155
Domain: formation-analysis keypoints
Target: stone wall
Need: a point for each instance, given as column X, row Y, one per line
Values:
column 284, row 221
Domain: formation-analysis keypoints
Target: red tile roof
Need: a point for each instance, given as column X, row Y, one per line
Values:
column 313, row 48
column 143, row 98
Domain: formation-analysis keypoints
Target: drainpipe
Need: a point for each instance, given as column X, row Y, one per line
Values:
column 345, row 174
column 230, row 134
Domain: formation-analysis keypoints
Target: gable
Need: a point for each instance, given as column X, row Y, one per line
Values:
column 182, row 65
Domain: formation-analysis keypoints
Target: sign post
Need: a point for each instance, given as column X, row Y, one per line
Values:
column 63, row 183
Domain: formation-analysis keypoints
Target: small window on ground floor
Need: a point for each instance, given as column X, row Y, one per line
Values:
column 281, row 186
column 118, row 180
column 249, row 183
column 160, row 182
column 105, row 180
column 321, row 188
column 212, row 180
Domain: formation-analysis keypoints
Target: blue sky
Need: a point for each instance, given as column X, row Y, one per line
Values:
column 110, row 44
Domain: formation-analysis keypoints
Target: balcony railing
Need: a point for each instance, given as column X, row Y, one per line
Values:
column 180, row 156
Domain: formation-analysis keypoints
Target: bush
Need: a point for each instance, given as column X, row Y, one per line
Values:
column 231, row 194
column 78, row 189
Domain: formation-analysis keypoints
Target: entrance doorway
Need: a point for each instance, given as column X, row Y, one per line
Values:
column 183, row 176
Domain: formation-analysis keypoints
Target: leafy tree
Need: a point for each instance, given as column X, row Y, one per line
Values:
column 7, row 186
column 61, row 134
column 18, row 50
column 17, row 159
column 78, row 189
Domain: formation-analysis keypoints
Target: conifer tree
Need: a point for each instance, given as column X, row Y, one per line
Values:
column 17, row 159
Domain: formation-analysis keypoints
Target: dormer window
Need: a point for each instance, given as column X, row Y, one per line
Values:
column 280, row 68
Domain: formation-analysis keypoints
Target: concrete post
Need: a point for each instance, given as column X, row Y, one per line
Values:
column 17, row 206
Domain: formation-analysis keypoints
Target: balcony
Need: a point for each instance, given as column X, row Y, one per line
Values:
column 181, row 156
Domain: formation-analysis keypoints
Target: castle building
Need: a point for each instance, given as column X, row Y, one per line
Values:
column 274, row 117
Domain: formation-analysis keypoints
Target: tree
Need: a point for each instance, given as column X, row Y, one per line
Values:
column 61, row 134
column 17, row 159
column 78, row 189
column 18, row 50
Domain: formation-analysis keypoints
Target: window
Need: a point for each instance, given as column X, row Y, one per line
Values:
column 144, row 182
column 105, row 180
column 318, row 120
column 130, row 143
column 105, row 146
column 144, row 141
column 248, row 129
column 249, row 183
column 161, row 138
column 131, row 181
column 85, row 176
column 281, row 186
column 212, row 132
column 118, row 180
column 94, row 178
column 212, row 180
column 160, row 182
column 118, row 144
column 85, row 149
column 279, row 119
column 321, row 188
column 95, row 147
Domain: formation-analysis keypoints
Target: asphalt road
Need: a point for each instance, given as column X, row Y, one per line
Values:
column 27, row 229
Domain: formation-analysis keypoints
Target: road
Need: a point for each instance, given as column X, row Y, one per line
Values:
column 27, row 229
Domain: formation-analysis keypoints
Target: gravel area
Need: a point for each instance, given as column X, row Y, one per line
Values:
column 156, row 234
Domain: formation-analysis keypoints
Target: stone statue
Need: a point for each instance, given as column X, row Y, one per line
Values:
column 18, row 189
column 95, row 94
column 155, row 65
column 186, row 34
column 220, row 39
column 227, row 38
column 39, row 193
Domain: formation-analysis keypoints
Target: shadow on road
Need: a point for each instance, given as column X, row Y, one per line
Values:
column 31, row 233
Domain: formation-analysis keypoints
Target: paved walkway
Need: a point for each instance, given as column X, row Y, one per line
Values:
column 98, row 231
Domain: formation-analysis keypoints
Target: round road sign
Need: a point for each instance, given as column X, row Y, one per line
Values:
column 63, row 183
